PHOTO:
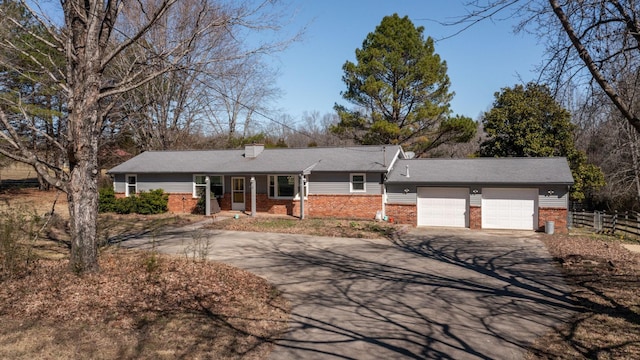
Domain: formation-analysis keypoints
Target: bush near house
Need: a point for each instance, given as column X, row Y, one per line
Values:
column 145, row 203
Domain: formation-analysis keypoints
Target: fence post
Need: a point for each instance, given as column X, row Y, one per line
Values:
column 570, row 220
column 615, row 219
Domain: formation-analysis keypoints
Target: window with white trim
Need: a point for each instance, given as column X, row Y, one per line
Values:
column 131, row 186
column 283, row 186
column 358, row 182
column 216, row 184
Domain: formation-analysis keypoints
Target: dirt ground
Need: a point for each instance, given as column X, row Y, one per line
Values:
column 33, row 200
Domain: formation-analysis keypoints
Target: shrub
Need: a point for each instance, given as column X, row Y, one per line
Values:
column 146, row 203
column 152, row 202
column 200, row 208
column 16, row 255
column 126, row 205
column 107, row 200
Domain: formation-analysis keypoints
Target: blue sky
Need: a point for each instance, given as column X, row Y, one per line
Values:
column 481, row 60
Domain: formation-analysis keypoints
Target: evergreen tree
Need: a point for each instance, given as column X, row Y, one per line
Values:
column 400, row 89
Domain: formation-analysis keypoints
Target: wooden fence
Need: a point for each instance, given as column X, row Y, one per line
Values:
column 624, row 224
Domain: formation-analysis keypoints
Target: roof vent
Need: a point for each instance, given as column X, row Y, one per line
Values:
column 407, row 174
column 251, row 151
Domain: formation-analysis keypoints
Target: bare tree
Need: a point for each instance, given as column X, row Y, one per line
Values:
column 239, row 91
column 588, row 42
column 612, row 144
column 95, row 34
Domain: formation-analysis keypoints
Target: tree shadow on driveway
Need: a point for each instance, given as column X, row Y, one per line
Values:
column 444, row 294
column 466, row 295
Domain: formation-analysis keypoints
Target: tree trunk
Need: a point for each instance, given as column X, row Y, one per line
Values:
column 83, row 183
column 83, row 211
column 87, row 21
column 83, row 166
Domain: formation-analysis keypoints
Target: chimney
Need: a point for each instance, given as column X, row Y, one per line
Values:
column 251, row 151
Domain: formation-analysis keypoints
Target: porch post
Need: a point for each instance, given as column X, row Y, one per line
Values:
column 253, row 196
column 301, row 183
column 207, row 197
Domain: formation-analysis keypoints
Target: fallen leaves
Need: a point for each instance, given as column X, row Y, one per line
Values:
column 605, row 278
column 128, row 295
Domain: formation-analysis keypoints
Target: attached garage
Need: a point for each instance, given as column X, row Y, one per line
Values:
column 480, row 193
column 510, row 208
column 443, row 206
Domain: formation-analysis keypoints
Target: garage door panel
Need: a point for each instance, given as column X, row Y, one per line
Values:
column 504, row 208
column 443, row 207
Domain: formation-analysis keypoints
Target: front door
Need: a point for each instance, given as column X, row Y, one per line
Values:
column 237, row 193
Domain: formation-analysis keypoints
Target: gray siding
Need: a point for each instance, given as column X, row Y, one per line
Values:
column 118, row 183
column 330, row 183
column 559, row 198
column 261, row 183
column 170, row 183
column 475, row 199
column 396, row 194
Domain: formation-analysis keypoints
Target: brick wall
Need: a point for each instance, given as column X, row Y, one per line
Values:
column 559, row 216
column 277, row 206
column 402, row 213
column 475, row 217
column 181, row 203
column 344, row 206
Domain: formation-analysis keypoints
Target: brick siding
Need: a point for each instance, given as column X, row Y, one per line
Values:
column 350, row 206
column 344, row 206
column 475, row 217
column 402, row 213
column 182, row 203
column 559, row 216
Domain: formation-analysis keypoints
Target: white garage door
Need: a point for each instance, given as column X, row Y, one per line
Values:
column 510, row 209
column 442, row 206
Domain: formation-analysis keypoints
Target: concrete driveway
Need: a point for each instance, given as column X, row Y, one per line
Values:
column 445, row 294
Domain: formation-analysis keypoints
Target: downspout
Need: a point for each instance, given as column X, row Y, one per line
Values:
column 384, row 199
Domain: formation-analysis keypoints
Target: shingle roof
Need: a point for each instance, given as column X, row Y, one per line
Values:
column 553, row 170
column 289, row 160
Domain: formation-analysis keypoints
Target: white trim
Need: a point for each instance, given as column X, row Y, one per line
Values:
column 194, row 185
column 364, row 183
column 395, row 158
column 126, row 184
column 221, row 180
column 296, row 187
column 237, row 205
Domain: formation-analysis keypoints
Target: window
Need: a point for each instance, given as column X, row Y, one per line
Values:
column 283, row 186
column 358, row 183
column 216, row 184
column 132, row 185
column 199, row 185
